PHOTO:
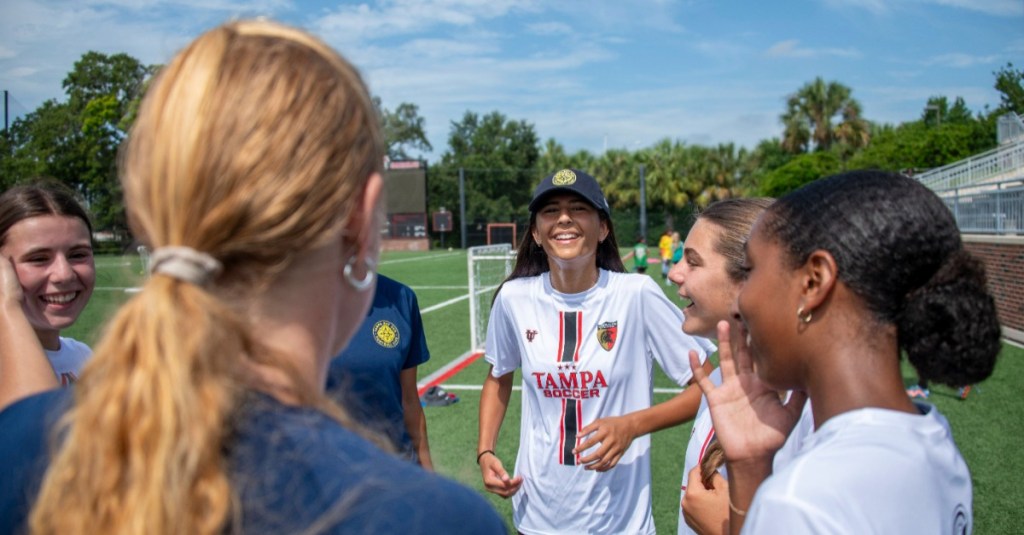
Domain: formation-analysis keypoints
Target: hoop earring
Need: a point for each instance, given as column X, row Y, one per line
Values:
column 363, row 284
column 800, row 315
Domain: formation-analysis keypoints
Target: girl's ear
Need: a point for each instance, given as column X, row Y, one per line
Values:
column 820, row 273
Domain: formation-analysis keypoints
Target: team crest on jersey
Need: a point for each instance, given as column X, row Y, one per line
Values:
column 564, row 177
column 386, row 334
column 607, row 333
column 530, row 335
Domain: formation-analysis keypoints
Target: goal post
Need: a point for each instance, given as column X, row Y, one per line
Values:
column 488, row 265
column 498, row 233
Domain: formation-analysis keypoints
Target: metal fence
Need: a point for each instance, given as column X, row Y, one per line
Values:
column 996, row 208
column 1003, row 163
column 1009, row 128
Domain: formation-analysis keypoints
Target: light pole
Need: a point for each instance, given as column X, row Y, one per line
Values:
column 643, row 203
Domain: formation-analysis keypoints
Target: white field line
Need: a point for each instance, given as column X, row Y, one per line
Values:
column 418, row 258
column 443, row 304
column 134, row 289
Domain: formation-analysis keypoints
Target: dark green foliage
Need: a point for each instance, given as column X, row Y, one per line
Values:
column 76, row 141
column 1010, row 83
column 402, row 129
column 799, row 171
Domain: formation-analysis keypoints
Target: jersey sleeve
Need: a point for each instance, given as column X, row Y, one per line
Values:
column 502, row 348
column 665, row 337
column 418, row 352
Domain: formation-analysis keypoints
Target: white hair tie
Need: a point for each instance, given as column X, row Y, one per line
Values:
column 185, row 264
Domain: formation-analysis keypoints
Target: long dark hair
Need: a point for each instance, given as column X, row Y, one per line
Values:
column 897, row 247
column 39, row 198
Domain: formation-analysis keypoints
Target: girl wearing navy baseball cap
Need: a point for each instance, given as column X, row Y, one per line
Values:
column 585, row 335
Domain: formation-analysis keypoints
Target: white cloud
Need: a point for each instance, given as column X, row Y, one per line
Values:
column 549, row 28
column 721, row 49
column 960, row 60
column 6, row 52
column 1015, row 47
column 874, row 6
column 402, row 17
column 999, row 8
column 790, row 48
column 22, row 72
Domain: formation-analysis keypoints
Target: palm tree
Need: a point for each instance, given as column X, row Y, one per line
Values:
column 810, row 113
column 552, row 157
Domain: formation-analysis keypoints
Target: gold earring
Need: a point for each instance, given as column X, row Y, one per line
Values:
column 800, row 315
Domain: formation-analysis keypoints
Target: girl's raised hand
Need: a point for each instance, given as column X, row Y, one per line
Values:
column 750, row 418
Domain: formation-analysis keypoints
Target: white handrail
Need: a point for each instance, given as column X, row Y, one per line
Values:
column 1002, row 163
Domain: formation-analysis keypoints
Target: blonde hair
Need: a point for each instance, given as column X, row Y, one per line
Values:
column 253, row 145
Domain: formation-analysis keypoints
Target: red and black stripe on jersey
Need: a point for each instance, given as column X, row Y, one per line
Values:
column 570, row 337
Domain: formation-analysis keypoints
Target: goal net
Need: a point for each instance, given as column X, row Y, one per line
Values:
column 488, row 266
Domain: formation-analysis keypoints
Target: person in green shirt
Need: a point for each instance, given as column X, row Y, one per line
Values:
column 640, row 255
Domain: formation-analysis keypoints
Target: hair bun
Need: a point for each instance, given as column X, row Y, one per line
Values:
column 949, row 327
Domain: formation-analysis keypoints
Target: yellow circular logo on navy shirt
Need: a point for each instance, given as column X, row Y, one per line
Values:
column 564, row 177
column 386, row 334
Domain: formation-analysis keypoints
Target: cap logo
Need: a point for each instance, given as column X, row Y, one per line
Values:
column 565, row 177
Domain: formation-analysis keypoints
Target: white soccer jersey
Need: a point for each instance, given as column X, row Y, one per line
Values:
column 583, row 357
column 870, row 471
column 67, row 361
column 703, row 431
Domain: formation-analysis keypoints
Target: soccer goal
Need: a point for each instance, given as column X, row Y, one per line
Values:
column 498, row 233
column 488, row 266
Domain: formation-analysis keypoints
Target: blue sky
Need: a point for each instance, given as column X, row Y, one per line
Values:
column 592, row 74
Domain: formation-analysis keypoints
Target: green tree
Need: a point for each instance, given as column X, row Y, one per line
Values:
column 499, row 157
column 552, row 157
column 403, row 129
column 820, row 114
column 938, row 112
column 1010, row 84
column 76, row 141
column 766, row 157
column 801, row 170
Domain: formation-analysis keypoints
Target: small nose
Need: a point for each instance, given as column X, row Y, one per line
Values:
column 676, row 275
column 61, row 269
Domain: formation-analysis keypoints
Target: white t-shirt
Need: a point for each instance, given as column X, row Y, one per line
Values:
column 583, row 357
column 870, row 471
column 703, row 430
column 67, row 361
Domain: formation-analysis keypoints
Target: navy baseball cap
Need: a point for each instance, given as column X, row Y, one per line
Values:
column 571, row 181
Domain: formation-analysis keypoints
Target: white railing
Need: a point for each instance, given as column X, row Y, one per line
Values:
column 990, row 209
column 999, row 164
column 1009, row 128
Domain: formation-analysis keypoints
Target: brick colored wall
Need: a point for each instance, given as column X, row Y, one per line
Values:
column 1004, row 263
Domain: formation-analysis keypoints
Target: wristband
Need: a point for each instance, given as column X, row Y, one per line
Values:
column 482, row 453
